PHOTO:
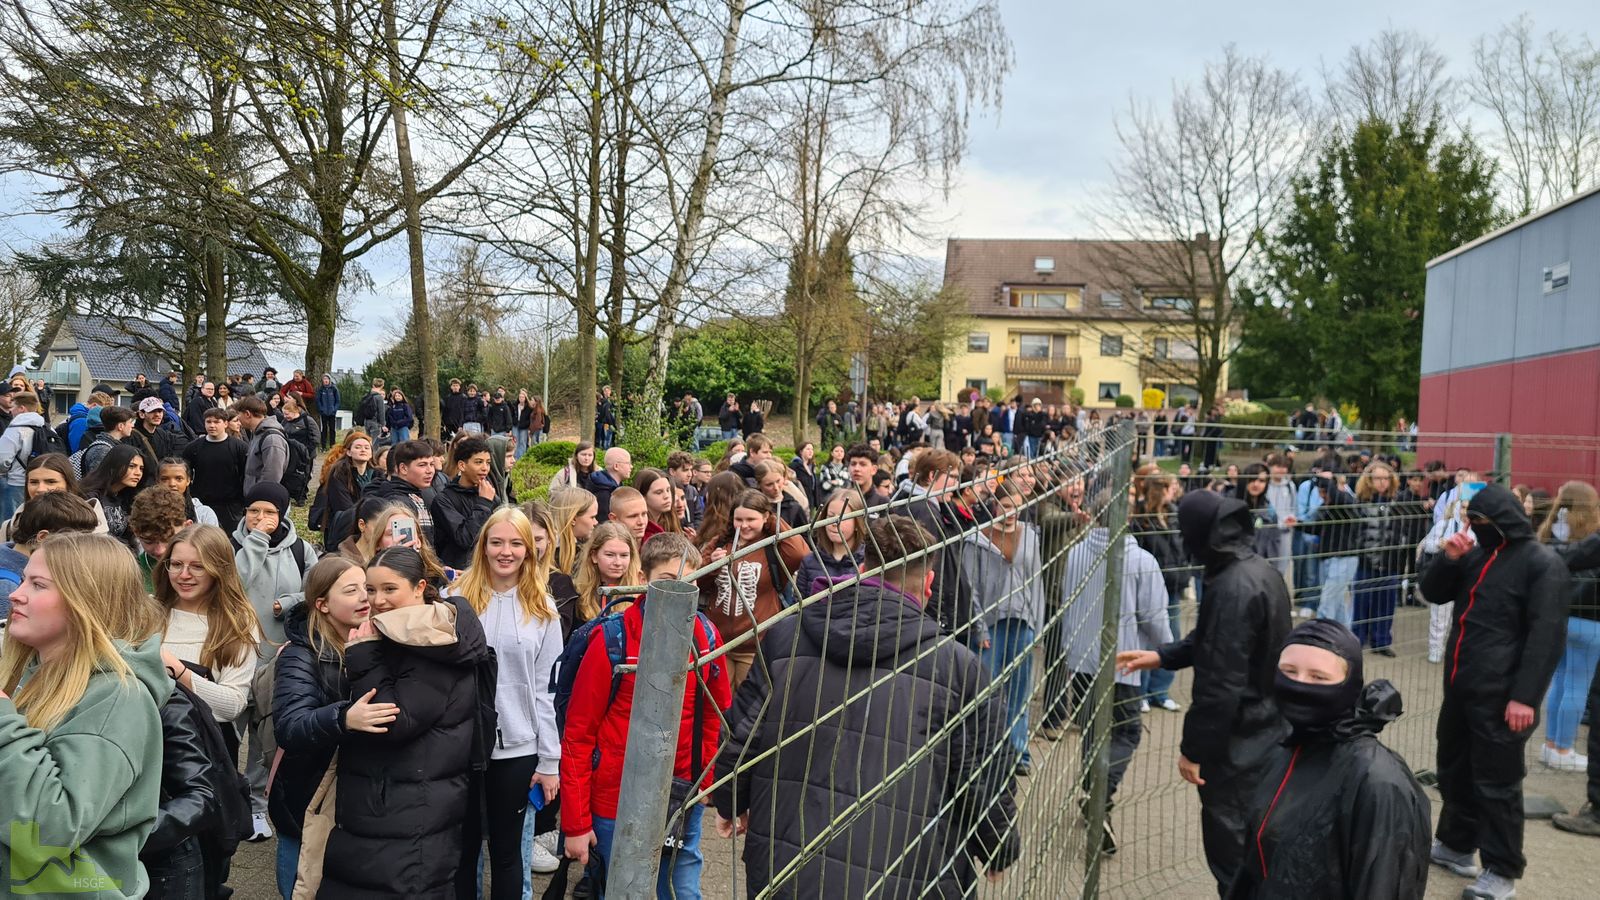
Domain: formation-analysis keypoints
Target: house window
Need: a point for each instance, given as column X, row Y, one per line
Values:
column 1033, row 346
column 1038, row 300
column 1162, row 348
column 978, row 342
column 1110, row 391
column 1168, row 301
column 981, row 385
column 1110, row 345
column 1110, row 300
column 1044, row 264
column 64, row 370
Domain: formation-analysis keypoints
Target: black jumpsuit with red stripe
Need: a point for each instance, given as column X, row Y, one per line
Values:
column 1511, row 596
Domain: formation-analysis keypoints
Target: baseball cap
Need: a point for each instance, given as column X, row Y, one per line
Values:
column 150, row 404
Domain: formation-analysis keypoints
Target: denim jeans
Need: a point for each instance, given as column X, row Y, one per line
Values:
column 12, row 499
column 521, row 445
column 400, row 435
column 1375, row 597
column 288, row 864
column 1012, row 639
column 1030, row 446
column 730, row 434
column 1337, row 574
column 180, row 874
column 1157, row 682
column 1307, row 569
column 1568, row 692
column 679, row 878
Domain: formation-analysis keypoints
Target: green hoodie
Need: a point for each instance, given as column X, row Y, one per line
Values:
column 76, row 804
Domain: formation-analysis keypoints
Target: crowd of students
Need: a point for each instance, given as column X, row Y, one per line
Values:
column 434, row 691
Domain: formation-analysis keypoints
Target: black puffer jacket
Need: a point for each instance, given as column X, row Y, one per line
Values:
column 458, row 515
column 1511, row 594
column 1382, row 535
column 951, row 604
column 1233, row 723
column 1161, row 540
column 904, row 841
column 1337, row 524
column 1340, row 816
column 310, row 695
column 402, row 795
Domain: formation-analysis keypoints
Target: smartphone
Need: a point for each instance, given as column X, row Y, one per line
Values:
column 1470, row 489
column 403, row 530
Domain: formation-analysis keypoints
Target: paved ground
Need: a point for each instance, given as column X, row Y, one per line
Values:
column 1158, row 815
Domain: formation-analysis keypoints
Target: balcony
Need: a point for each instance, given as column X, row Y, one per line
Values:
column 1044, row 366
column 1167, row 368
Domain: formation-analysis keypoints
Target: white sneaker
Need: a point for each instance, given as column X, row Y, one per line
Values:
column 261, row 829
column 545, row 859
column 1491, row 885
column 1144, row 706
column 1170, row 705
column 1567, row 761
column 1436, row 656
column 1303, row 613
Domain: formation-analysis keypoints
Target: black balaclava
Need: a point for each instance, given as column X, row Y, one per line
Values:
column 1314, row 709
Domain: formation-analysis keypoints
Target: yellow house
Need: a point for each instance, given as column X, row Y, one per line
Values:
column 1048, row 316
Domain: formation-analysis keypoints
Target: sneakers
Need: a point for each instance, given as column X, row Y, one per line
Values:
column 1584, row 821
column 1490, row 886
column 1459, row 863
column 1024, row 769
column 1304, row 612
column 1569, row 761
column 261, row 830
column 1108, row 838
column 1436, row 656
column 545, row 859
column 1051, row 732
column 1144, row 706
column 1170, row 705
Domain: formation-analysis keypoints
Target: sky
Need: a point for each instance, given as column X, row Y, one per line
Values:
column 1035, row 166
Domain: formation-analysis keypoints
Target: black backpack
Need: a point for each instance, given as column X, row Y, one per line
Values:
column 367, row 408
column 232, row 791
column 45, row 440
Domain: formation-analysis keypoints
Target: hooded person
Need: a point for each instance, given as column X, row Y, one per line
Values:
column 1232, row 727
column 1339, row 815
column 271, row 557
column 1511, row 596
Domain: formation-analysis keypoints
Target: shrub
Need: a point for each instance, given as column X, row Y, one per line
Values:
column 715, row 451
column 552, row 453
column 1124, row 401
column 530, row 477
column 1154, row 399
column 995, row 394
column 1076, row 395
column 1253, row 430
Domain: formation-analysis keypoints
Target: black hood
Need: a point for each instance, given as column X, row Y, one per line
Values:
column 1379, row 705
column 1215, row 529
column 297, row 624
column 1503, row 509
column 865, row 623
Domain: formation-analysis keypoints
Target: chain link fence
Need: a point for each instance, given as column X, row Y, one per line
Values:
column 880, row 756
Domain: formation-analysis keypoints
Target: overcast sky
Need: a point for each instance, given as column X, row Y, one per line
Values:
column 1034, row 167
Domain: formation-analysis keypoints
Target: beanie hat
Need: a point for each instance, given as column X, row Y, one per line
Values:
column 271, row 492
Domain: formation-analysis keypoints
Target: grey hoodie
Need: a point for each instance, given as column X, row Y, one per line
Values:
column 1006, row 590
column 525, row 652
column 268, row 459
column 271, row 575
column 16, row 445
column 1142, row 624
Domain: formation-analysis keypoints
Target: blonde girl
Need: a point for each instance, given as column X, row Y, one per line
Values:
column 506, row 586
column 80, row 729
column 378, row 536
column 610, row 558
column 212, row 635
column 575, row 512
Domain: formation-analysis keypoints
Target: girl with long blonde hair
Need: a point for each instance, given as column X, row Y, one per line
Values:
column 506, row 586
column 576, row 513
column 378, row 536
column 80, row 728
column 610, row 558
column 558, row 583
column 1574, row 516
column 212, row 636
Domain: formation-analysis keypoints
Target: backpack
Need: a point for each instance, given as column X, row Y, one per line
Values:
column 609, row 624
column 299, row 457
column 45, row 440
column 231, row 789
column 367, row 409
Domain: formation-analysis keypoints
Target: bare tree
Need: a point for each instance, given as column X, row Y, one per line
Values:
column 1398, row 77
column 1197, row 187
column 23, row 313
column 1544, row 98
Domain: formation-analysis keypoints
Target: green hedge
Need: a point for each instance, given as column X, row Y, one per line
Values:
column 1253, row 431
column 553, row 453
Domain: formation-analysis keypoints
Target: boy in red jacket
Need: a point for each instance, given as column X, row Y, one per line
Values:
column 596, row 736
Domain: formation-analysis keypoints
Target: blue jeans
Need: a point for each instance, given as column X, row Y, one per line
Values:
column 12, row 499
column 1157, row 682
column 180, row 874
column 1337, row 574
column 288, row 864
column 1307, row 569
column 521, row 446
column 400, row 435
column 730, row 434
column 1012, row 639
column 1569, row 691
column 1030, row 446
column 679, row 878
column 1375, row 597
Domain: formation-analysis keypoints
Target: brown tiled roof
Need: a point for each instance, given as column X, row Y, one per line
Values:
column 984, row 267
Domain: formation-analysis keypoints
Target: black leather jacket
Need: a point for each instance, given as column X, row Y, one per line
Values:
column 188, row 805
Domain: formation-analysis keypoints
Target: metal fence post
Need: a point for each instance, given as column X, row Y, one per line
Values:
column 647, row 766
column 1502, row 459
column 1116, row 521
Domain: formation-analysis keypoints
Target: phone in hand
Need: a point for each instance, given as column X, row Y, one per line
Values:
column 1470, row 489
column 403, row 530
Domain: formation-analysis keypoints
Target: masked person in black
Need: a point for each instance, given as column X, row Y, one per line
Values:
column 1510, row 629
column 1340, row 815
column 1232, row 728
